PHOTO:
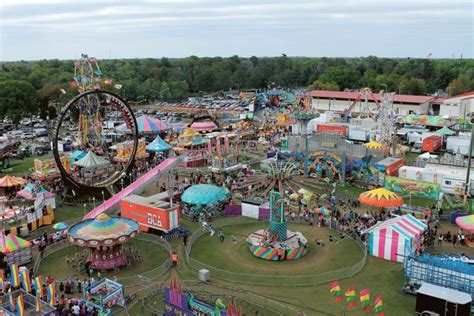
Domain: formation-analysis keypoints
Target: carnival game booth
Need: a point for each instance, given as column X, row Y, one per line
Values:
column 124, row 151
column 9, row 186
column 152, row 211
column 92, row 167
column 104, row 236
column 395, row 238
column 104, row 295
column 19, row 302
column 46, row 170
column 32, row 193
column 193, row 145
column 15, row 249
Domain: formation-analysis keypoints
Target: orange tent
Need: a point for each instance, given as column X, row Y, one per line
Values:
column 381, row 198
column 10, row 181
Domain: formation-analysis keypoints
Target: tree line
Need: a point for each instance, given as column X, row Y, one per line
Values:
column 31, row 87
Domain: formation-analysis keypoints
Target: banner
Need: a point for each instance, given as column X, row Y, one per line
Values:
column 413, row 187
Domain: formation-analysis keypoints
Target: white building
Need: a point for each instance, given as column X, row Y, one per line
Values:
column 459, row 106
column 339, row 101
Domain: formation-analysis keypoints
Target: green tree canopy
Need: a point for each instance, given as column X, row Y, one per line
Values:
column 17, row 98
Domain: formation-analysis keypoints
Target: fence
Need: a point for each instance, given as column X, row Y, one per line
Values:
column 267, row 279
column 126, row 281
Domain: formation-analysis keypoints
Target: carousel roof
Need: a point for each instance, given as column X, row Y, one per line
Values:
column 29, row 193
column 204, row 126
column 466, row 222
column 10, row 181
column 204, row 194
column 158, row 144
column 14, row 243
column 91, row 160
column 103, row 231
column 147, row 124
column 381, row 198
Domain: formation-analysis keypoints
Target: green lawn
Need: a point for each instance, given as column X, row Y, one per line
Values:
column 344, row 253
column 56, row 266
column 21, row 168
column 70, row 211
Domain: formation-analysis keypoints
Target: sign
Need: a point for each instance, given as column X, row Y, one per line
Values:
column 412, row 187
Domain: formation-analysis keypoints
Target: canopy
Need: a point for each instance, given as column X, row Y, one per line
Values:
column 158, row 144
column 445, row 131
column 204, row 126
column 10, row 181
column 77, row 155
column 374, row 145
column 189, row 132
column 91, row 160
column 381, row 198
column 466, row 222
column 103, row 231
column 29, row 193
column 204, row 194
column 60, row 226
column 147, row 124
column 428, row 120
column 14, row 243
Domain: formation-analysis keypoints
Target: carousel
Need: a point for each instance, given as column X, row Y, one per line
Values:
column 104, row 236
column 204, row 198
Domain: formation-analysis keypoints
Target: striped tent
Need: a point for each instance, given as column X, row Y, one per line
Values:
column 14, row 244
column 11, row 181
column 395, row 238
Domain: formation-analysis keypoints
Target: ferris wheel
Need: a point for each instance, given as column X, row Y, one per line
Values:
column 87, row 73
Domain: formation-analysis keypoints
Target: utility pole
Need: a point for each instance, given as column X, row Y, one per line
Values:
column 471, row 146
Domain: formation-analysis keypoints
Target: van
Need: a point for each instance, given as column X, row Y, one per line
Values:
column 41, row 132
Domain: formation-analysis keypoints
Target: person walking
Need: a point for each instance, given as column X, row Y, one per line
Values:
column 174, row 258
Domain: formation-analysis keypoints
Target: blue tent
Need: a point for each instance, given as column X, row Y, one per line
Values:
column 204, row 194
column 158, row 144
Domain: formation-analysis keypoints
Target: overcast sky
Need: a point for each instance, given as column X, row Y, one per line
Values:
column 38, row 29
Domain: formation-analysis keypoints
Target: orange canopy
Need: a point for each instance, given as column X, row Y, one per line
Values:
column 381, row 198
column 10, row 181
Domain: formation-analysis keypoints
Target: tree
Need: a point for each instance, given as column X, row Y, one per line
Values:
column 414, row 86
column 318, row 85
column 460, row 85
column 344, row 77
column 17, row 98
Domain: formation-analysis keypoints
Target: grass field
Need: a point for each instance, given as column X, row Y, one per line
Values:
column 20, row 167
column 341, row 254
column 55, row 265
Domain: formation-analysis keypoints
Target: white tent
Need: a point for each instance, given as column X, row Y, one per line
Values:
column 91, row 161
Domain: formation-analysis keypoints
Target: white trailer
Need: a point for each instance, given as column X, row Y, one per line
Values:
column 458, row 144
column 451, row 179
column 360, row 134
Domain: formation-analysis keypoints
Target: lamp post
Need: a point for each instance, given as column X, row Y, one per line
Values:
column 84, row 208
column 93, row 201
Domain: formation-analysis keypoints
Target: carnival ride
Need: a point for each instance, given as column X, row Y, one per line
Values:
column 364, row 93
column 103, row 295
column 104, row 236
column 204, row 198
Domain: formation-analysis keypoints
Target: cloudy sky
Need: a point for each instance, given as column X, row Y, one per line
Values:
column 38, row 29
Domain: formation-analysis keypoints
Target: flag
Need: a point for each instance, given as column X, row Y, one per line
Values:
column 51, row 289
column 38, row 285
column 15, row 276
column 38, row 304
column 25, row 280
column 20, row 305
column 11, row 302
column 351, row 297
column 378, row 306
column 335, row 290
column 364, row 297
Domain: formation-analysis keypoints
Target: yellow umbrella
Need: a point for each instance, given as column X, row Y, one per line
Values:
column 374, row 145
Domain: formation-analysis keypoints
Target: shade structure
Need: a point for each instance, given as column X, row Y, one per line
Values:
column 147, row 124
column 30, row 193
column 10, row 181
column 466, row 222
column 103, row 231
column 14, row 243
column 60, row 226
column 92, row 161
column 445, row 131
column 381, row 198
column 77, row 155
column 204, row 194
column 158, row 144
column 374, row 145
column 204, row 126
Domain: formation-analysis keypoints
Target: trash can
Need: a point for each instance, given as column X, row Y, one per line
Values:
column 203, row 275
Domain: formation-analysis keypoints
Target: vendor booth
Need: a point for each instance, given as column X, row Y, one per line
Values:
column 395, row 238
column 15, row 249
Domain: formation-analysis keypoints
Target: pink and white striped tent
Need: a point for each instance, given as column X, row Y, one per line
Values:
column 395, row 238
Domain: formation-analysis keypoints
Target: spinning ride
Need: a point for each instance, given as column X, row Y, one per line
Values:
column 104, row 236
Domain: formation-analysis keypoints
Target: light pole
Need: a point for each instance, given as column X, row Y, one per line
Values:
column 469, row 158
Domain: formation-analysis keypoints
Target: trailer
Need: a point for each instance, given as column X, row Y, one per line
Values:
column 436, row 300
column 340, row 129
column 432, row 143
column 458, row 144
column 359, row 134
